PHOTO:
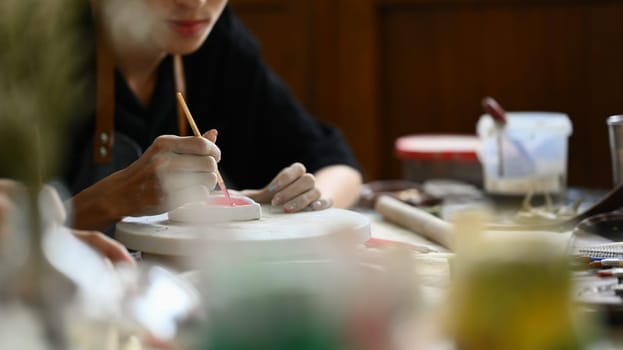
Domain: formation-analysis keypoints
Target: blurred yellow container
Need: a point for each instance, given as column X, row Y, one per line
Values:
column 511, row 291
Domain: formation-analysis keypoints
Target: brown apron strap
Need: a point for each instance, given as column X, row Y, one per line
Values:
column 105, row 100
column 105, row 104
column 180, row 86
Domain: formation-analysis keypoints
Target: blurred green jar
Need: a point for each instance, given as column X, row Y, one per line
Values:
column 341, row 303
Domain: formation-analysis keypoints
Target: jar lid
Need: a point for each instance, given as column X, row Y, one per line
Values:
column 545, row 122
column 615, row 119
column 438, row 147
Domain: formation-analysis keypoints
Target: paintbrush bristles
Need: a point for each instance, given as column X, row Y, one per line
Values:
column 189, row 116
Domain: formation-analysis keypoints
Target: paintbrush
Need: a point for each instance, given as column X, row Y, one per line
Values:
column 191, row 121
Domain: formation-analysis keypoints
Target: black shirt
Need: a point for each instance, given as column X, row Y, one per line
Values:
column 262, row 128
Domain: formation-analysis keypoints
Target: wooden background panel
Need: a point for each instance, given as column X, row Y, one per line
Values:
column 379, row 69
column 439, row 61
column 458, row 3
column 323, row 49
column 283, row 29
column 604, row 69
column 358, row 93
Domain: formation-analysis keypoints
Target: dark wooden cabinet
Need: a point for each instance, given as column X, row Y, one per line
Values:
column 380, row 69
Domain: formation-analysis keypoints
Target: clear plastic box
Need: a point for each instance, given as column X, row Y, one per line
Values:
column 533, row 150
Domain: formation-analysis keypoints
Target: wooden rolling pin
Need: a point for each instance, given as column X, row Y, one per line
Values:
column 416, row 220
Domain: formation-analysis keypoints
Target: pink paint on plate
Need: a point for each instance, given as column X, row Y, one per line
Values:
column 224, row 202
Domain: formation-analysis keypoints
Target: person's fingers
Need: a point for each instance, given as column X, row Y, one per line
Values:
column 5, row 206
column 169, row 164
column 187, row 195
column 211, row 135
column 286, row 177
column 173, row 162
column 14, row 190
column 302, row 201
column 185, row 145
column 301, row 185
column 5, row 213
column 198, row 146
column 322, row 203
column 8, row 186
column 107, row 246
column 51, row 205
column 176, row 181
column 12, row 198
column 260, row 196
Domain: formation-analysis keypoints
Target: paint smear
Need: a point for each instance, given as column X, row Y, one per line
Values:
column 224, row 202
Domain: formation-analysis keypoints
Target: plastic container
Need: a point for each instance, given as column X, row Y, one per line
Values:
column 615, row 136
column 430, row 156
column 534, row 151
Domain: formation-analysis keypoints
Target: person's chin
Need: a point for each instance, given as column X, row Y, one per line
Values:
column 184, row 47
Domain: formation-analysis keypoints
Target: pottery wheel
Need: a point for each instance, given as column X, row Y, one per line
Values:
column 287, row 232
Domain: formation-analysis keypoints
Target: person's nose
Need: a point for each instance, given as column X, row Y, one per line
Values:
column 191, row 3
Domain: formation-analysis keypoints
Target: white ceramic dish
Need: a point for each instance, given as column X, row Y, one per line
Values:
column 216, row 209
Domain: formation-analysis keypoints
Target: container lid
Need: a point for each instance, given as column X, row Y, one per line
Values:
column 615, row 119
column 438, row 147
column 546, row 121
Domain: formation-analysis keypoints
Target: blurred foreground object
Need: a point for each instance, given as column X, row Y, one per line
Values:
column 344, row 301
column 55, row 292
column 43, row 65
column 546, row 214
column 41, row 88
column 91, row 304
column 512, row 291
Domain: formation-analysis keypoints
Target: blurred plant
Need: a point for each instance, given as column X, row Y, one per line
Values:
column 42, row 62
column 42, row 83
column 327, row 300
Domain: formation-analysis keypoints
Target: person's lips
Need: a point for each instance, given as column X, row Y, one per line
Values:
column 189, row 27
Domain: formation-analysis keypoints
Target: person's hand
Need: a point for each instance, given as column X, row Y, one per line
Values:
column 52, row 208
column 5, row 209
column 105, row 245
column 171, row 166
column 172, row 171
column 294, row 189
column 7, row 206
